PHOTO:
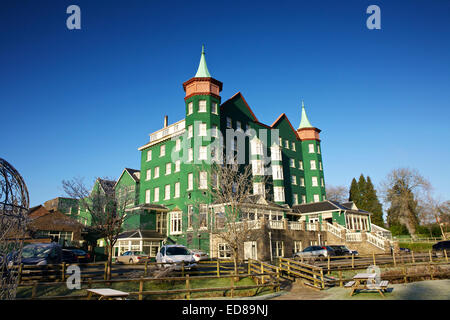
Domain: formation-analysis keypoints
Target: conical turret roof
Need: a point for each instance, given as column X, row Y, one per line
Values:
column 304, row 122
column 202, row 71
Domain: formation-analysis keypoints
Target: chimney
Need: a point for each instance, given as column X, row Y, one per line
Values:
column 166, row 121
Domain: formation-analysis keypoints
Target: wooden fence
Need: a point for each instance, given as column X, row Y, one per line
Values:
column 187, row 291
column 296, row 269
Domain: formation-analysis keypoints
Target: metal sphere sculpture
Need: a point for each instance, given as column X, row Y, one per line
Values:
column 14, row 204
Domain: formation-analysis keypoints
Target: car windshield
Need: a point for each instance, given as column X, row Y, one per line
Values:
column 138, row 253
column 177, row 251
column 36, row 251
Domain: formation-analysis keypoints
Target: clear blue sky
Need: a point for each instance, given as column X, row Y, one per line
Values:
column 80, row 103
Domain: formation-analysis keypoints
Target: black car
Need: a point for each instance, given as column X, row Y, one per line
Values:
column 438, row 248
column 42, row 254
column 81, row 255
column 341, row 250
column 68, row 256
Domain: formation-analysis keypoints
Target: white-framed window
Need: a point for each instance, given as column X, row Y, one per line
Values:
column 277, row 172
column 156, row 175
column 318, row 149
column 300, row 165
column 229, row 124
column 190, row 213
column 177, row 165
column 202, row 130
column 202, row 106
column 286, row 144
column 168, row 168
column 314, row 181
column 190, row 108
column 294, row 180
column 257, row 147
column 175, row 222
column 312, row 164
column 214, row 153
column 292, row 163
column 190, row 154
column 280, row 141
column 277, row 249
column 295, row 198
column 316, row 198
column 190, row 181
column 258, row 188
column 167, row 192
column 298, row 246
column 190, row 131
column 275, row 153
column 302, row 182
column 178, row 145
column 203, row 180
column 203, row 216
column 147, row 196
column 311, row 147
column 321, row 182
column 214, row 108
column 293, row 146
column 214, row 131
column 303, row 199
column 257, row 167
column 238, row 125
column 203, row 153
column 149, row 155
column 177, row 190
column 156, row 197
column 320, row 165
column 278, row 194
column 149, row 174
column 223, row 251
column 162, row 151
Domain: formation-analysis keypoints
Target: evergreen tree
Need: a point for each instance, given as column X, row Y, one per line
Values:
column 354, row 193
column 362, row 201
column 373, row 204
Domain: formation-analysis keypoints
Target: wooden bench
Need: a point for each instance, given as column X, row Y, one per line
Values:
column 349, row 284
column 380, row 287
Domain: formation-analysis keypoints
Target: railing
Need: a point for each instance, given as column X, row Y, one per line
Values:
column 376, row 240
column 381, row 231
column 276, row 224
column 334, row 229
column 295, row 225
column 302, row 270
column 311, row 226
column 353, row 236
column 174, row 128
column 251, row 224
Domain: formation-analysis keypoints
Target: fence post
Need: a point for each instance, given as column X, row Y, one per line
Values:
column 278, row 274
column 90, row 283
column 431, row 260
column 19, row 277
column 248, row 266
column 63, row 271
column 106, row 271
column 218, row 267
column 412, row 257
column 188, row 288
column 446, row 257
column 405, row 276
column 328, row 265
column 340, row 279
column 393, row 256
column 431, row 272
column 146, row 268
column 374, row 261
column 34, row 289
column 353, row 261
column 182, row 269
column 321, row 276
column 262, row 271
column 141, row 288
column 232, row 286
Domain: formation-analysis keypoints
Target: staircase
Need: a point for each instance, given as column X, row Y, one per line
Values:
column 379, row 240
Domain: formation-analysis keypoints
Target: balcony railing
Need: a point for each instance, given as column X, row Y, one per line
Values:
column 376, row 240
column 295, row 225
column 335, row 229
column 276, row 224
column 353, row 236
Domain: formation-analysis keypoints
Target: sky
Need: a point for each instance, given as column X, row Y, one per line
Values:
column 78, row 103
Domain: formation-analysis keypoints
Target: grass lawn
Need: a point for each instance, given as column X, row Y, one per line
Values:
column 62, row 290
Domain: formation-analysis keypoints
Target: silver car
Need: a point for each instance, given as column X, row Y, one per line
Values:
column 315, row 251
column 199, row 255
column 176, row 253
column 132, row 257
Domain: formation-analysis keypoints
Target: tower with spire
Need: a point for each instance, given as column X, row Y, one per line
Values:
column 312, row 159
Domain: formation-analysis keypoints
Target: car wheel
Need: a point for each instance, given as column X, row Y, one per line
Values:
column 130, row 261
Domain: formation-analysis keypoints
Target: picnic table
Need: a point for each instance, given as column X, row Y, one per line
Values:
column 107, row 294
column 366, row 281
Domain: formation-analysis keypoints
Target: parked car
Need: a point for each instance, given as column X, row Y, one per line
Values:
column 404, row 250
column 315, row 251
column 199, row 255
column 176, row 253
column 439, row 247
column 341, row 250
column 42, row 254
column 132, row 257
column 81, row 255
column 68, row 256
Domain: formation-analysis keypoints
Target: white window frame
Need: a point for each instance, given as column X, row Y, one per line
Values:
column 176, row 222
column 229, row 123
column 214, row 108
column 149, row 155
column 277, row 172
column 156, row 175
column 190, row 154
column 238, row 125
column 314, row 182
column 294, row 180
column 293, row 146
column 167, row 192
column 302, row 182
column 316, row 198
column 203, row 180
column 223, row 251
column 295, row 198
column 190, row 131
column 312, row 164
column 190, row 108
column 177, row 190
column 147, row 195
column 303, row 199
column 292, row 163
column 149, row 174
column 177, row 165
column 275, row 153
column 168, row 166
column 156, row 195
column 202, row 106
column 278, row 194
column 178, row 145
column 202, row 129
column 190, row 185
column 162, row 150
column 300, row 165
column 202, row 153
column 311, row 147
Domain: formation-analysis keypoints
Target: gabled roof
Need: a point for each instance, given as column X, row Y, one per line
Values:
column 107, row 185
column 133, row 174
column 239, row 95
column 141, row 234
column 276, row 122
column 326, row 205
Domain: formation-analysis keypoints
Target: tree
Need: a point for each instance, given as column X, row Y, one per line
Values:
column 434, row 215
column 232, row 188
column 364, row 195
column 400, row 190
column 354, row 193
column 337, row 193
column 106, row 210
